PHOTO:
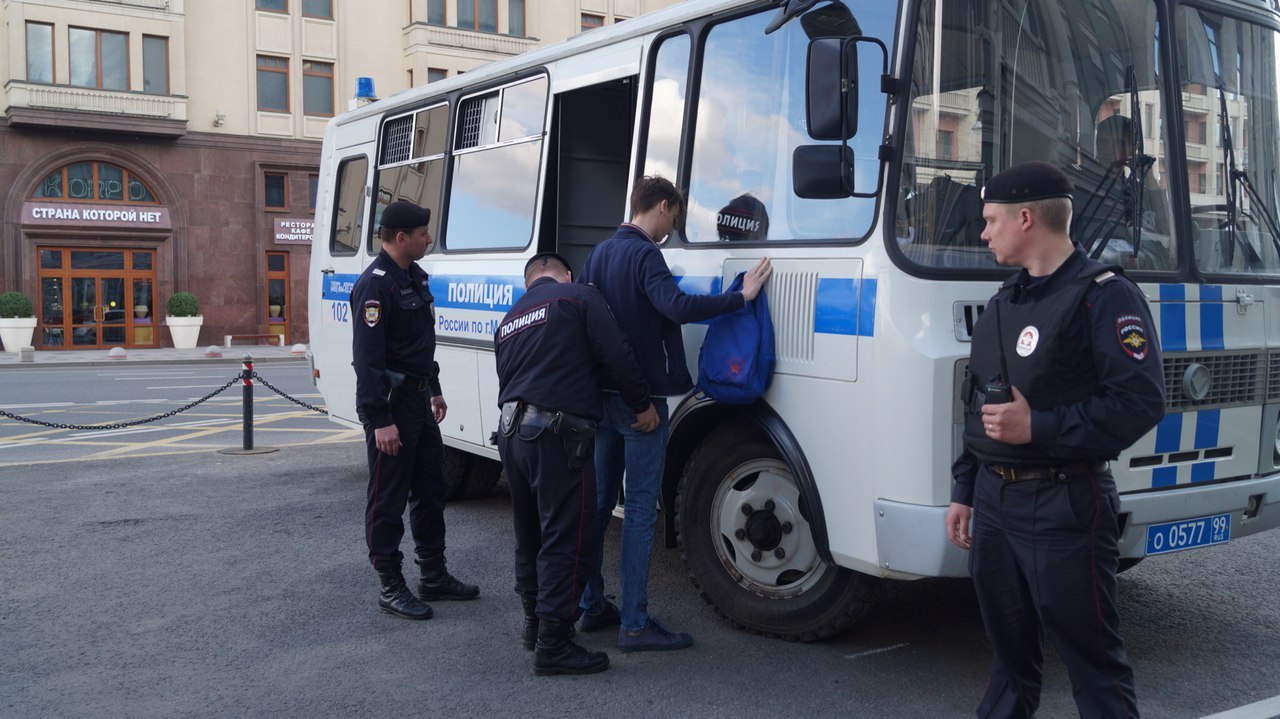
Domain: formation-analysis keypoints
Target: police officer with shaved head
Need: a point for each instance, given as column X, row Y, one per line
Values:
column 398, row 399
column 552, row 349
column 1064, row 374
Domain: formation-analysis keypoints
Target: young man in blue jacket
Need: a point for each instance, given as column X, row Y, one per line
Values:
column 630, row 272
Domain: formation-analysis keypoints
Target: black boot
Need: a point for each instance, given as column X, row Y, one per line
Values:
column 529, row 635
column 396, row 598
column 556, row 654
column 437, row 583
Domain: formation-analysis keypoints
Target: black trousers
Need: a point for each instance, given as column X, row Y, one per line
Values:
column 414, row 476
column 553, row 508
column 1044, row 561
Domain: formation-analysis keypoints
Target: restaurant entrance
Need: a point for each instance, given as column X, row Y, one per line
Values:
column 91, row 298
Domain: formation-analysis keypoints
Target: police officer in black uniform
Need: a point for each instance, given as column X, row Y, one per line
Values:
column 1064, row 374
column 398, row 400
column 551, row 348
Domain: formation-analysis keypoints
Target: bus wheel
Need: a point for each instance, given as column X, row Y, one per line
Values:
column 482, row 477
column 457, row 465
column 748, row 547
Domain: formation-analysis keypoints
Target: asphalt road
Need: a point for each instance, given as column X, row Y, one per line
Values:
column 201, row 584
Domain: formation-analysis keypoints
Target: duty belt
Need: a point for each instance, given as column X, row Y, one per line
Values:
column 539, row 417
column 1057, row 472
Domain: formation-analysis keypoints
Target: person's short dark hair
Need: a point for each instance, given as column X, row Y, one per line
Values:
column 1026, row 182
column 404, row 215
column 545, row 260
column 743, row 219
column 651, row 190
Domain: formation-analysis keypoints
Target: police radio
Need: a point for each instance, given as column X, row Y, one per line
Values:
column 998, row 390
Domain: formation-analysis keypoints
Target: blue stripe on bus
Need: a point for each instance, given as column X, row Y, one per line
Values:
column 867, row 309
column 338, row 287
column 1207, row 425
column 1168, row 437
column 476, row 292
column 1173, row 318
column 836, row 312
column 1211, row 320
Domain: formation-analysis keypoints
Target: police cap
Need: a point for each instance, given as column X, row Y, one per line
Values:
column 1027, row 182
column 403, row 215
column 540, row 260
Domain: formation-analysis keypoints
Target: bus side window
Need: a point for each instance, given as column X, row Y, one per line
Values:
column 348, row 207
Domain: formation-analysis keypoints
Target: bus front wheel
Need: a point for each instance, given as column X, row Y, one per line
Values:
column 746, row 542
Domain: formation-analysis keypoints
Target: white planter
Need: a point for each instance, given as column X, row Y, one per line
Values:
column 185, row 331
column 16, row 333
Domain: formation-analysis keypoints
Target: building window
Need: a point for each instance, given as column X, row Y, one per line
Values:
column 479, row 15
column 515, row 18
column 155, row 65
column 317, row 88
column 99, row 58
column 274, row 5
column 945, row 148
column 39, row 52
column 313, row 189
column 94, row 182
column 273, row 84
column 590, row 21
column 435, row 74
column 318, row 8
column 274, row 191
column 435, row 12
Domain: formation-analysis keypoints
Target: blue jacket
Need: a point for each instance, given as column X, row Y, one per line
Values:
column 630, row 272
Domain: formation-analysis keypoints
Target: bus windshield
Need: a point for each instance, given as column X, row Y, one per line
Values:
column 1228, row 92
column 1074, row 84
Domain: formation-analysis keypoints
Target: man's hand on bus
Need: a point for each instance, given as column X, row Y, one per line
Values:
column 388, row 439
column 958, row 516
column 1009, row 422
column 646, row 421
column 755, row 279
column 439, row 408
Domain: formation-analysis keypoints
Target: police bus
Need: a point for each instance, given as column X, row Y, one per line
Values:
column 847, row 140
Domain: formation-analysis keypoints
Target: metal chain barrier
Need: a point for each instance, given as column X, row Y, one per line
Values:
column 123, row 425
column 294, row 400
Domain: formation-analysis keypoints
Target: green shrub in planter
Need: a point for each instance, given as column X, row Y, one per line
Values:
column 15, row 305
column 182, row 304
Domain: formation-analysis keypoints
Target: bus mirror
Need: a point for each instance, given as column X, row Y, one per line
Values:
column 822, row 172
column 831, row 89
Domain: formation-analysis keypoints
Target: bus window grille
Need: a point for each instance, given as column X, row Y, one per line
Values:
column 469, row 128
column 397, row 140
column 1238, row 379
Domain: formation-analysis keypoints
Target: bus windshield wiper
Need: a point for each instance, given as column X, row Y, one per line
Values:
column 1237, row 178
column 1132, row 185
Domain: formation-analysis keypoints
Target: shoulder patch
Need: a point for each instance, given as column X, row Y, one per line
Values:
column 372, row 312
column 1132, row 335
column 523, row 321
column 378, row 272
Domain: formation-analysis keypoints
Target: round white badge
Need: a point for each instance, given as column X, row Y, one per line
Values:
column 1028, row 338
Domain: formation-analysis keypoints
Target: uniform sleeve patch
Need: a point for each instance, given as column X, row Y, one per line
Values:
column 523, row 321
column 372, row 312
column 1132, row 334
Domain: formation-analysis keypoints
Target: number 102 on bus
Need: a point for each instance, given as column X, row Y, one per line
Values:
column 1188, row 534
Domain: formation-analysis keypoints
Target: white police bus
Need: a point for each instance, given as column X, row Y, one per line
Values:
column 786, row 512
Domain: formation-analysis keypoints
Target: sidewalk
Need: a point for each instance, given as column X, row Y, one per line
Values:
column 138, row 357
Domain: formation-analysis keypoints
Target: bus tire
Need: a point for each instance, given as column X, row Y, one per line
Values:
column 457, row 465
column 760, row 571
column 482, row 477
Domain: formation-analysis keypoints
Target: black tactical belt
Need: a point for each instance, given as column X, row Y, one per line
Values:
column 539, row 417
column 1058, row 472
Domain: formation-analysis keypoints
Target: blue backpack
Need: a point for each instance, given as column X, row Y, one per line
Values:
column 737, row 357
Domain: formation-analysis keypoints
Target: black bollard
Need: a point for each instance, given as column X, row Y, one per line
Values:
column 246, row 375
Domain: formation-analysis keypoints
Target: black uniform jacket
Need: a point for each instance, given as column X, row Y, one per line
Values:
column 1107, row 343
column 553, row 345
column 393, row 327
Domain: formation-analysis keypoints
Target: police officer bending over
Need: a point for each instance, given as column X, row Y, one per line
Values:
column 1064, row 374
column 551, row 348
column 399, row 402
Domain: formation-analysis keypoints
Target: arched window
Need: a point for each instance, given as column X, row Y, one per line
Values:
column 94, row 182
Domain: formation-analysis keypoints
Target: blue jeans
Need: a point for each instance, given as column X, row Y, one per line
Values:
column 641, row 454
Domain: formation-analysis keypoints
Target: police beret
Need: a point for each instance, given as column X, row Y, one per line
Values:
column 402, row 215
column 1026, row 182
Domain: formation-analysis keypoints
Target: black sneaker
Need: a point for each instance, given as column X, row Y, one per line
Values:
column 610, row 616
column 653, row 638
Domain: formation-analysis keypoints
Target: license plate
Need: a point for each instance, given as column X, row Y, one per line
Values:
column 1188, row 534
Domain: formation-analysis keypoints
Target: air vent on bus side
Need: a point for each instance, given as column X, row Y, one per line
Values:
column 397, row 140
column 964, row 315
column 1273, row 376
column 1236, row 379
column 791, row 303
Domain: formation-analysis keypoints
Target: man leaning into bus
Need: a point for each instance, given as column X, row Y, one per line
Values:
column 630, row 272
column 398, row 399
column 1064, row 374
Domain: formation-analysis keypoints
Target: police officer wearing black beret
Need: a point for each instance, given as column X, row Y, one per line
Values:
column 551, row 349
column 1064, row 374
column 398, row 400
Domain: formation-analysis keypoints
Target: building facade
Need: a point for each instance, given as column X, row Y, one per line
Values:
column 155, row 146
